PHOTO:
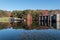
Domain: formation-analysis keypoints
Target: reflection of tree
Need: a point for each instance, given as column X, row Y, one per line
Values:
column 18, row 25
column 3, row 25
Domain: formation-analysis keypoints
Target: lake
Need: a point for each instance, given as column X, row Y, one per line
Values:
column 22, row 34
column 20, row 31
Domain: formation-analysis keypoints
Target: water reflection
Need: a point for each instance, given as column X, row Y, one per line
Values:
column 35, row 25
column 52, row 24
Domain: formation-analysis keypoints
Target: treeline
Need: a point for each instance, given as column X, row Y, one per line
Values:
column 22, row 14
column 3, row 13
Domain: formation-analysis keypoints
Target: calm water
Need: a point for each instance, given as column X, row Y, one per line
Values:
column 20, row 31
column 21, row 34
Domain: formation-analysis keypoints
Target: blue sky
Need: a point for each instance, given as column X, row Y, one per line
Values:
column 29, row 4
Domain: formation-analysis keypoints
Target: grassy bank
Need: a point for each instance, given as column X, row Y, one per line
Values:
column 4, row 19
